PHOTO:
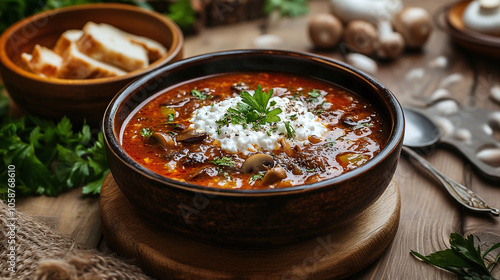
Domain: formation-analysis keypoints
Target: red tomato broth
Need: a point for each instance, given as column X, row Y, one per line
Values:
column 364, row 133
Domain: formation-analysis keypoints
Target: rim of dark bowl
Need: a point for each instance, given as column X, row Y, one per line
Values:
column 112, row 140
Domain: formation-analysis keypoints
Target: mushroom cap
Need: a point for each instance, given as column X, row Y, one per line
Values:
column 415, row 25
column 274, row 176
column 391, row 46
column 325, row 30
column 361, row 36
column 257, row 162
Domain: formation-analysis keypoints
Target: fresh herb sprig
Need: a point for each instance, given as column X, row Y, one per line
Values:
column 223, row 161
column 290, row 131
column 146, row 132
column 51, row 157
column 254, row 109
column 200, row 95
column 463, row 258
column 287, row 8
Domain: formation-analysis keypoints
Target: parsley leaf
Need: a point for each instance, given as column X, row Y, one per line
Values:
column 146, row 132
column 198, row 94
column 171, row 118
column 182, row 14
column 313, row 95
column 223, row 161
column 256, row 177
column 290, row 8
column 254, row 109
column 290, row 131
column 463, row 258
column 51, row 157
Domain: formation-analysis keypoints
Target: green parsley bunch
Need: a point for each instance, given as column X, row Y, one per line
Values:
column 50, row 158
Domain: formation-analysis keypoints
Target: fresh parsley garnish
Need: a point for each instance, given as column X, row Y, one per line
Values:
column 200, row 95
column 223, row 161
column 313, row 95
column 290, row 131
column 170, row 118
column 293, row 117
column 256, row 177
column 51, row 157
column 463, row 258
column 146, row 132
column 361, row 125
column 254, row 110
column 182, row 13
column 289, row 8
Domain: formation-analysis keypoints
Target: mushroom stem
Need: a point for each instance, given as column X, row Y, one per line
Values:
column 391, row 44
column 274, row 175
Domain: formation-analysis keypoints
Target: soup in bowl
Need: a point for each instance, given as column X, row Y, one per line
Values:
column 253, row 147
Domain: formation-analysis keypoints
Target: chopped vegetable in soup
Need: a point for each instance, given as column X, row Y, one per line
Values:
column 254, row 131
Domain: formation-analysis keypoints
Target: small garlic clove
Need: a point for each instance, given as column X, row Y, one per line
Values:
column 439, row 93
column 490, row 156
column 445, row 125
column 487, row 129
column 495, row 93
column 446, row 107
column 362, row 62
column 415, row 74
column 462, row 135
column 451, row 79
column 438, row 62
column 268, row 41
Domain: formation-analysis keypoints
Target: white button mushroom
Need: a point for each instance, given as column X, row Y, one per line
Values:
column 483, row 16
column 361, row 36
column 368, row 10
column 325, row 30
column 415, row 24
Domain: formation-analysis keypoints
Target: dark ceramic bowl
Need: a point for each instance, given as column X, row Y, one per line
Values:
column 78, row 99
column 252, row 217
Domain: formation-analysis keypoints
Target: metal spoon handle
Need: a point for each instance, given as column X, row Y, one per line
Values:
column 461, row 194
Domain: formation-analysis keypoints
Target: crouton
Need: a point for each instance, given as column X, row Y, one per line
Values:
column 65, row 40
column 154, row 49
column 44, row 61
column 110, row 47
column 25, row 61
column 77, row 65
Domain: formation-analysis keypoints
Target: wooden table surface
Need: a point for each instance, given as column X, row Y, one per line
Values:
column 428, row 214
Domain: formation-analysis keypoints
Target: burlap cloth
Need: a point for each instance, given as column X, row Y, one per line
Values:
column 43, row 254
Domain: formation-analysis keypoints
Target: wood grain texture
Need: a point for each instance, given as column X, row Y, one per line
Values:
column 428, row 215
column 349, row 248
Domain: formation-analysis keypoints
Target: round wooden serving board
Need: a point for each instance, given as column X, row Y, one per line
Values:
column 352, row 246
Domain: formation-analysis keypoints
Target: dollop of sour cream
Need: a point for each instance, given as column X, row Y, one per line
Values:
column 236, row 138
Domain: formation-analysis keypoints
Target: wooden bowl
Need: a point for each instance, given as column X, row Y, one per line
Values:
column 78, row 99
column 252, row 217
column 483, row 44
